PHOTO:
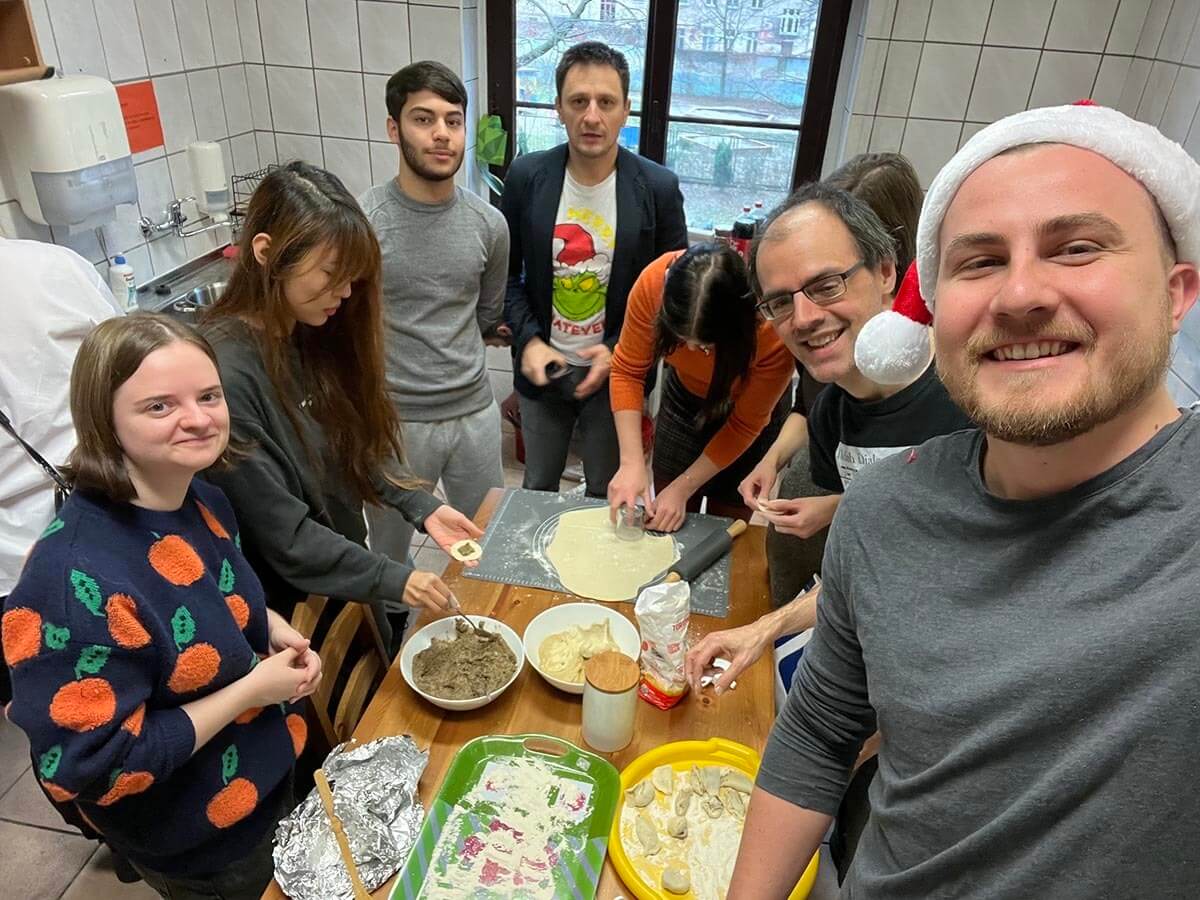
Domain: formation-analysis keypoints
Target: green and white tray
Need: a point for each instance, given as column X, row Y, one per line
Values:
column 487, row 788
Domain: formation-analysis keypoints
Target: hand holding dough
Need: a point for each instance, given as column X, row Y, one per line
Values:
column 466, row 550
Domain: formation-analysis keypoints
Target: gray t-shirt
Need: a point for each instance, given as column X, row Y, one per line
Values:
column 445, row 267
column 1034, row 670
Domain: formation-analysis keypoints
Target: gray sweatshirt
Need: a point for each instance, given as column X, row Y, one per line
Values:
column 1033, row 668
column 445, row 267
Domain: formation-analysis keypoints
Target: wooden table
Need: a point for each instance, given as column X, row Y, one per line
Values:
column 531, row 705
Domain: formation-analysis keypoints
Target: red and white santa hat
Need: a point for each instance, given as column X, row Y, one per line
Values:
column 893, row 347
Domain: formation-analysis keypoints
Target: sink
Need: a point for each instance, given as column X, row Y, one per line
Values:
column 198, row 298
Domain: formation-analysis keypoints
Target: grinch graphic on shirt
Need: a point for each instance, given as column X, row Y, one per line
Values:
column 583, row 243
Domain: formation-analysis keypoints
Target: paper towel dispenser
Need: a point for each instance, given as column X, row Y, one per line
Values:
column 66, row 150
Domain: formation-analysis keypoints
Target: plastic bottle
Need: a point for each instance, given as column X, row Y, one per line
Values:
column 743, row 233
column 759, row 215
column 122, row 284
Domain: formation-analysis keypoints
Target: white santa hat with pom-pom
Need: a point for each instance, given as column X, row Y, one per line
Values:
column 893, row 347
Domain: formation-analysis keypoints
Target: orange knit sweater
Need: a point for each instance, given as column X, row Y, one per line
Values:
column 755, row 395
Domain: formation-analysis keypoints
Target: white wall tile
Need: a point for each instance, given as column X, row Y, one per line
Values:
column 1135, row 86
column 15, row 224
column 160, row 37
column 195, row 35
column 1181, row 105
column 1158, row 89
column 375, row 88
column 1064, row 78
column 260, row 103
column 870, row 76
column 122, row 233
column 912, row 16
column 284, row 26
column 43, row 33
column 1110, row 81
column 944, row 81
column 227, row 42
column 969, row 130
column 857, row 136
column 247, row 14
column 1127, row 26
column 175, row 111
column 878, row 22
column 293, row 100
column 334, row 25
column 122, row 39
column 349, row 161
column 886, row 135
column 236, row 98
column 299, row 146
column 205, row 88
column 960, row 21
column 85, row 242
column 166, row 253
column 1191, row 56
column 182, row 185
column 899, row 76
column 154, row 189
column 385, row 162
column 453, row 3
column 340, row 104
column 245, row 154
column 1153, row 28
column 77, row 36
column 470, row 46
column 1081, row 25
column 1002, row 84
column 1179, row 28
column 929, row 145
column 383, row 35
column 139, row 258
column 267, row 154
column 1018, row 23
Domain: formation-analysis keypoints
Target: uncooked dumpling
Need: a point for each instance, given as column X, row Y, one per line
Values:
column 734, row 802
column 710, row 777
column 682, row 801
column 647, row 834
column 663, row 779
column 695, row 781
column 713, row 806
column 640, row 794
column 677, row 827
column 676, row 880
column 738, row 781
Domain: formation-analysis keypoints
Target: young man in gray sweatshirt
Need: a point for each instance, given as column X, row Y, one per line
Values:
column 445, row 258
column 1014, row 608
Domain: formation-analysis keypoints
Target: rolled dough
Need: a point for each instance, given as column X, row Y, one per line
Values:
column 593, row 562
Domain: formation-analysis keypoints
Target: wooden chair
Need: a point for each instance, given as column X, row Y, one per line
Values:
column 353, row 663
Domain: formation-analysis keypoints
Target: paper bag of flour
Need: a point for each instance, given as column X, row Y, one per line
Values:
column 662, row 615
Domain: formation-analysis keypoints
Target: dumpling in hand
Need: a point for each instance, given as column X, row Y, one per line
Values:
column 683, row 800
column 676, row 880
column 734, row 802
column 647, row 835
column 663, row 779
column 640, row 794
column 738, row 781
column 677, row 827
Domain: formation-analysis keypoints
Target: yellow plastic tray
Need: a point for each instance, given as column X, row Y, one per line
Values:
column 681, row 756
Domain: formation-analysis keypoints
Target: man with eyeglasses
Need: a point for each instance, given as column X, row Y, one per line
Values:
column 823, row 266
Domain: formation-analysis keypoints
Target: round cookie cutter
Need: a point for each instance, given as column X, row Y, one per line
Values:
column 467, row 550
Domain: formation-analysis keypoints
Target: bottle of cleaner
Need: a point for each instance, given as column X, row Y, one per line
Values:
column 122, row 284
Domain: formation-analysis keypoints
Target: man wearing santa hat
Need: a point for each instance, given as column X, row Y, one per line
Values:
column 1014, row 608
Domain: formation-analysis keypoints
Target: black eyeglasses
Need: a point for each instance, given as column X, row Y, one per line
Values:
column 822, row 292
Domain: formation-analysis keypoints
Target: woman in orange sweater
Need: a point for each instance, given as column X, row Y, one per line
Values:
column 726, row 373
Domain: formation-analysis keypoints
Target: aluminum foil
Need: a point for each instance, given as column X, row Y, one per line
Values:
column 375, row 796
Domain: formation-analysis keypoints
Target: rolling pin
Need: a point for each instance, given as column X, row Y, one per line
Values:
column 693, row 563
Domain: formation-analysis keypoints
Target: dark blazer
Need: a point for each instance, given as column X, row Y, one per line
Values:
column 649, row 223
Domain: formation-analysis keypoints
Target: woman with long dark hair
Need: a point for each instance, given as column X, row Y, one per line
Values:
column 726, row 372
column 299, row 335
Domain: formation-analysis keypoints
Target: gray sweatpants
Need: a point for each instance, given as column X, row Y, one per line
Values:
column 463, row 453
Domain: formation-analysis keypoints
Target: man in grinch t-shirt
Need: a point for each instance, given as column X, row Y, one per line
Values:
column 585, row 218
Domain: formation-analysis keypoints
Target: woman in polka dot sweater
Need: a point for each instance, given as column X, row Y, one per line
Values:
column 158, row 692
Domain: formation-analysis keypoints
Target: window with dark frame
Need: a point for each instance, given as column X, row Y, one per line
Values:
column 735, row 96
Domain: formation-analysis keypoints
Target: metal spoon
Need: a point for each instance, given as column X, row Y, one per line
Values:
column 481, row 633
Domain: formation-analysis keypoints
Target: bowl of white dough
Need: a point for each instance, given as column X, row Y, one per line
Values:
column 452, row 667
column 559, row 641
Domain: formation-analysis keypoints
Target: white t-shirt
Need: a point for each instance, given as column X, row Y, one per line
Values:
column 585, row 232
column 52, row 299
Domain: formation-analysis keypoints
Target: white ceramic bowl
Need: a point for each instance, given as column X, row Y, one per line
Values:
column 445, row 628
column 560, row 618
